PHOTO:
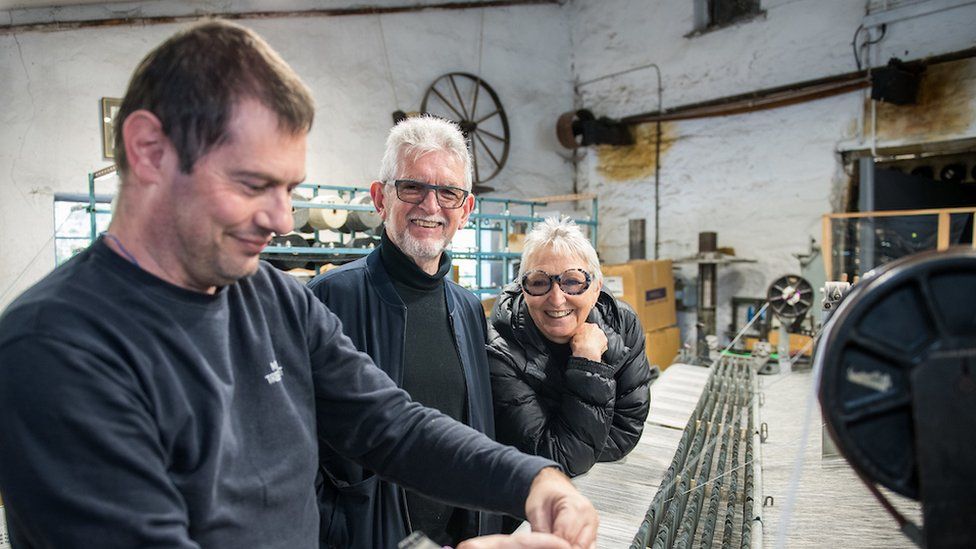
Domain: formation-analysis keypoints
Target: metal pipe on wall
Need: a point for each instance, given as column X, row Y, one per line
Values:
column 707, row 295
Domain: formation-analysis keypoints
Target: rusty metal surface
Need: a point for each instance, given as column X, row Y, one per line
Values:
column 946, row 106
column 637, row 161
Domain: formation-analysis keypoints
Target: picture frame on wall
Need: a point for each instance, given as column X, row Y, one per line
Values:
column 110, row 108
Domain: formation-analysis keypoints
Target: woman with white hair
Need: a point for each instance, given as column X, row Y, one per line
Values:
column 568, row 371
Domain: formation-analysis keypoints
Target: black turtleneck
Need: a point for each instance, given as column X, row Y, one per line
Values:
column 432, row 371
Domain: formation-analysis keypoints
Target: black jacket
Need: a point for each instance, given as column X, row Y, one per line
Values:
column 576, row 412
column 358, row 510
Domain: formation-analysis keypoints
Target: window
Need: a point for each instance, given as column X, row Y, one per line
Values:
column 713, row 14
column 73, row 224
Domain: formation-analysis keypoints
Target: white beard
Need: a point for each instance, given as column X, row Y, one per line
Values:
column 419, row 249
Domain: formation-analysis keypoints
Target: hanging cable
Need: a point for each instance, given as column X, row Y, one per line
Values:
column 386, row 57
column 857, row 56
column 868, row 42
column 481, row 44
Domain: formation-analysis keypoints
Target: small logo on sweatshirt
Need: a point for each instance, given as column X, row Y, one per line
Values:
column 275, row 375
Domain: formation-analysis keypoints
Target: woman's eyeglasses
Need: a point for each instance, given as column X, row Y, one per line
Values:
column 415, row 192
column 571, row 282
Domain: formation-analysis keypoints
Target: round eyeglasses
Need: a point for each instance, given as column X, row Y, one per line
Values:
column 415, row 192
column 571, row 282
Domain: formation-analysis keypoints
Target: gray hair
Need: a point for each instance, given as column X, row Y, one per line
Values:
column 418, row 135
column 561, row 236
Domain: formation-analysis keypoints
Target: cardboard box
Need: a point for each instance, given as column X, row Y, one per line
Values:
column 648, row 287
column 798, row 342
column 516, row 242
column 662, row 346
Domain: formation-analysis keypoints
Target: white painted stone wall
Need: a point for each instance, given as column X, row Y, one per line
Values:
column 761, row 180
column 52, row 83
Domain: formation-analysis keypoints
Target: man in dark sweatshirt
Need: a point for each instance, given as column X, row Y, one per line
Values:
column 426, row 332
column 165, row 388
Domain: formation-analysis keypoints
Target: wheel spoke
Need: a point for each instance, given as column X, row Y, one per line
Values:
column 929, row 305
column 474, row 159
column 489, row 134
column 474, row 100
column 458, row 95
column 880, row 349
column 446, row 102
column 487, row 116
column 879, row 405
column 487, row 150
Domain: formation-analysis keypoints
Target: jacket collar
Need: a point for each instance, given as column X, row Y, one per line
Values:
column 379, row 278
column 403, row 270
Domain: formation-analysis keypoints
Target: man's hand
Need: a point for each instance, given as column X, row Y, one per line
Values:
column 589, row 342
column 554, row 506
column 525, row 540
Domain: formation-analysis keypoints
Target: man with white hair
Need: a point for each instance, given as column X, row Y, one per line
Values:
column 426, row 332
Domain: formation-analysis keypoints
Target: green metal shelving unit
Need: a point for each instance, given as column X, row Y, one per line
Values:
column 490, row 214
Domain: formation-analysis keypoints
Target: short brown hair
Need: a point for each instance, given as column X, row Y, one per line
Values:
column 193, row 80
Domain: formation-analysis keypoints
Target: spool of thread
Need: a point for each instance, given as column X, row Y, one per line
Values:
column 366, row 242
column 360, row 220
column 299, row 216
column 327, row 219
column 286, row 262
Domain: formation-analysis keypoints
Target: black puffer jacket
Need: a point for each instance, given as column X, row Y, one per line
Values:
column 577, row 412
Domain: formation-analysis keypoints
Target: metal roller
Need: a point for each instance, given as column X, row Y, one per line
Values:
column 790, row 297
column 898, row 388
column 327, row 219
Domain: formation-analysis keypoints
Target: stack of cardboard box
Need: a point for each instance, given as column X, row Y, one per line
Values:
column 648, row 287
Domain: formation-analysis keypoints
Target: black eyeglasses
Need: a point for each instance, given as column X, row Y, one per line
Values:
column 415, row 192
column 571, row 282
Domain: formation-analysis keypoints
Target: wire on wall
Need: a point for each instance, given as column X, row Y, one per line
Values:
column 386, row 58
column 481, row 44
column 857, row 49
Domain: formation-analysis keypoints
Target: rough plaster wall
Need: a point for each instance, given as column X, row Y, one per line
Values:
column 761, row 180
column 53, row 82
column 945, row 108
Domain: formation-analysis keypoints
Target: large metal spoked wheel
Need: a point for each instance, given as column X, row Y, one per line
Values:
column 790, row 297
column 474, row 105
column 897, row 330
